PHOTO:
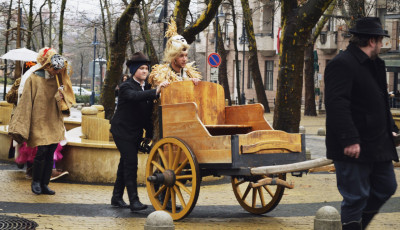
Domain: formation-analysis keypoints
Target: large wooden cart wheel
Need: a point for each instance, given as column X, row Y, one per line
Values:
column 172, row 172
column 257, row 200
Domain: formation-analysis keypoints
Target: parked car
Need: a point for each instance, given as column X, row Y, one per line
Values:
column 81, row 91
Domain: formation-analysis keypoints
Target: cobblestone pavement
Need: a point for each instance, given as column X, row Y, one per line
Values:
column 87, row 206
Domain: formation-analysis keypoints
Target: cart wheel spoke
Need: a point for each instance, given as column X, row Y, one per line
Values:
column 182, row 166
column 266, row 202
column 163, row 159
column 268, row 190
column 180, row 197
column 176, row 160
column 254, row 200
column 166, row 198
column 162, row 188
column 182, row 186
column 158, row 166
column 246, row 192
column 173, row 200
column 184, row 177
column 260, row 192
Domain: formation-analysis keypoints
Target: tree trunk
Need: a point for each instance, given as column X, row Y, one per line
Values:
column 309, row 86
column 253, row 60
column 61, row 29
column 151, row 51
column 131, row 43
column 180, row 13
column 235, row 38
column 50, row 22
column 103, row 22
column 8, row 26
column 41, row 23
column 118, row 45
column 297, row 24
column 202, row 22
column 223, row 73
column 30, row 26
column 309, row 70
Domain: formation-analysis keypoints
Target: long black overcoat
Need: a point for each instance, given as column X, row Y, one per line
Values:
column 134, row 111
column 357, row 107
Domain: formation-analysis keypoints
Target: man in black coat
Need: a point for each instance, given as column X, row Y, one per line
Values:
column 359, row 125
column 132, row 116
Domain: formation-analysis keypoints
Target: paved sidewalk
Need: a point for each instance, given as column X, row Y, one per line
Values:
column 87, row 206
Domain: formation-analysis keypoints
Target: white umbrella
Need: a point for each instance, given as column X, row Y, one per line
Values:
column 22, row 54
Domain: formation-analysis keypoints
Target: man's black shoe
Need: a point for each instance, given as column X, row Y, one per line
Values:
column 119, row 202
column 36, row 187
column 46, row 190
column 136, row 205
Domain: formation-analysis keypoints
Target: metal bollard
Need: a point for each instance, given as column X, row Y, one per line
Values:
column 159, row 220
column 321, row 132
column 327, row 218
column 302, row 130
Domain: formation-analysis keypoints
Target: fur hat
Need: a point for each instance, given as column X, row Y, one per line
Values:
column 138, row 59
column 369, row 26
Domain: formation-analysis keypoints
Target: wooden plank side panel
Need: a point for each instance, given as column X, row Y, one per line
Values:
column 269, row 141
column 182, row 121
column 252, row 115
column 209, row 98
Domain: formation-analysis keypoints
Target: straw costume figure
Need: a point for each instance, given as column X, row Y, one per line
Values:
column 175, row 67
column 38, row 118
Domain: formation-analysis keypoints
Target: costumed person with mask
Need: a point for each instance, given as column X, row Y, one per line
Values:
column 175, row 67
column 135, row 102
column 38, row 118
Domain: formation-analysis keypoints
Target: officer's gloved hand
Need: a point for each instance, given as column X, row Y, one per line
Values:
column 145, row 145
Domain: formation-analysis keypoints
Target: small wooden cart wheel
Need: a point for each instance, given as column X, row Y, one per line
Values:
column 257, row 200
column 172, row 171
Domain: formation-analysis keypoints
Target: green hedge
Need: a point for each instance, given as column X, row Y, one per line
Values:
column 85, row 99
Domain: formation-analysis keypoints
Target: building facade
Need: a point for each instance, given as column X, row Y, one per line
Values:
column 266, row 20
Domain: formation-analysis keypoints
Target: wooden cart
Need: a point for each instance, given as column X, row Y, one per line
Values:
column 200, row 136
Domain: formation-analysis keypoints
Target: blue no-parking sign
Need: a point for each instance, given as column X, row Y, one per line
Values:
column 214, row 60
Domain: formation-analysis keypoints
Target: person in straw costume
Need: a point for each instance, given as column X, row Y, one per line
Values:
column 38, row 118
column 175, row 68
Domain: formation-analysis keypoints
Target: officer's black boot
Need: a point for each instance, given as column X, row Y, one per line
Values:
column 366, row 218
column 118, row 192
column 37, row 170
column 135, row 204
column 48, row 168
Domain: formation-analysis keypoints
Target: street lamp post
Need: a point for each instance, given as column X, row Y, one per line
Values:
column 101, row 63
column 243, row 40
column 94, row 65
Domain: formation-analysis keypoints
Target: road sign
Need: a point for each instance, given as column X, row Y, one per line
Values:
column 214, row 60
column 214, row 74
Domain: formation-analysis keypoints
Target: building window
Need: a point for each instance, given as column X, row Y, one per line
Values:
column 269, row 75
column 249, row 77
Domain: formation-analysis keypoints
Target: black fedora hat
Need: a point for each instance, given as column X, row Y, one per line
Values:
column 369, row 26
column 138, row 59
